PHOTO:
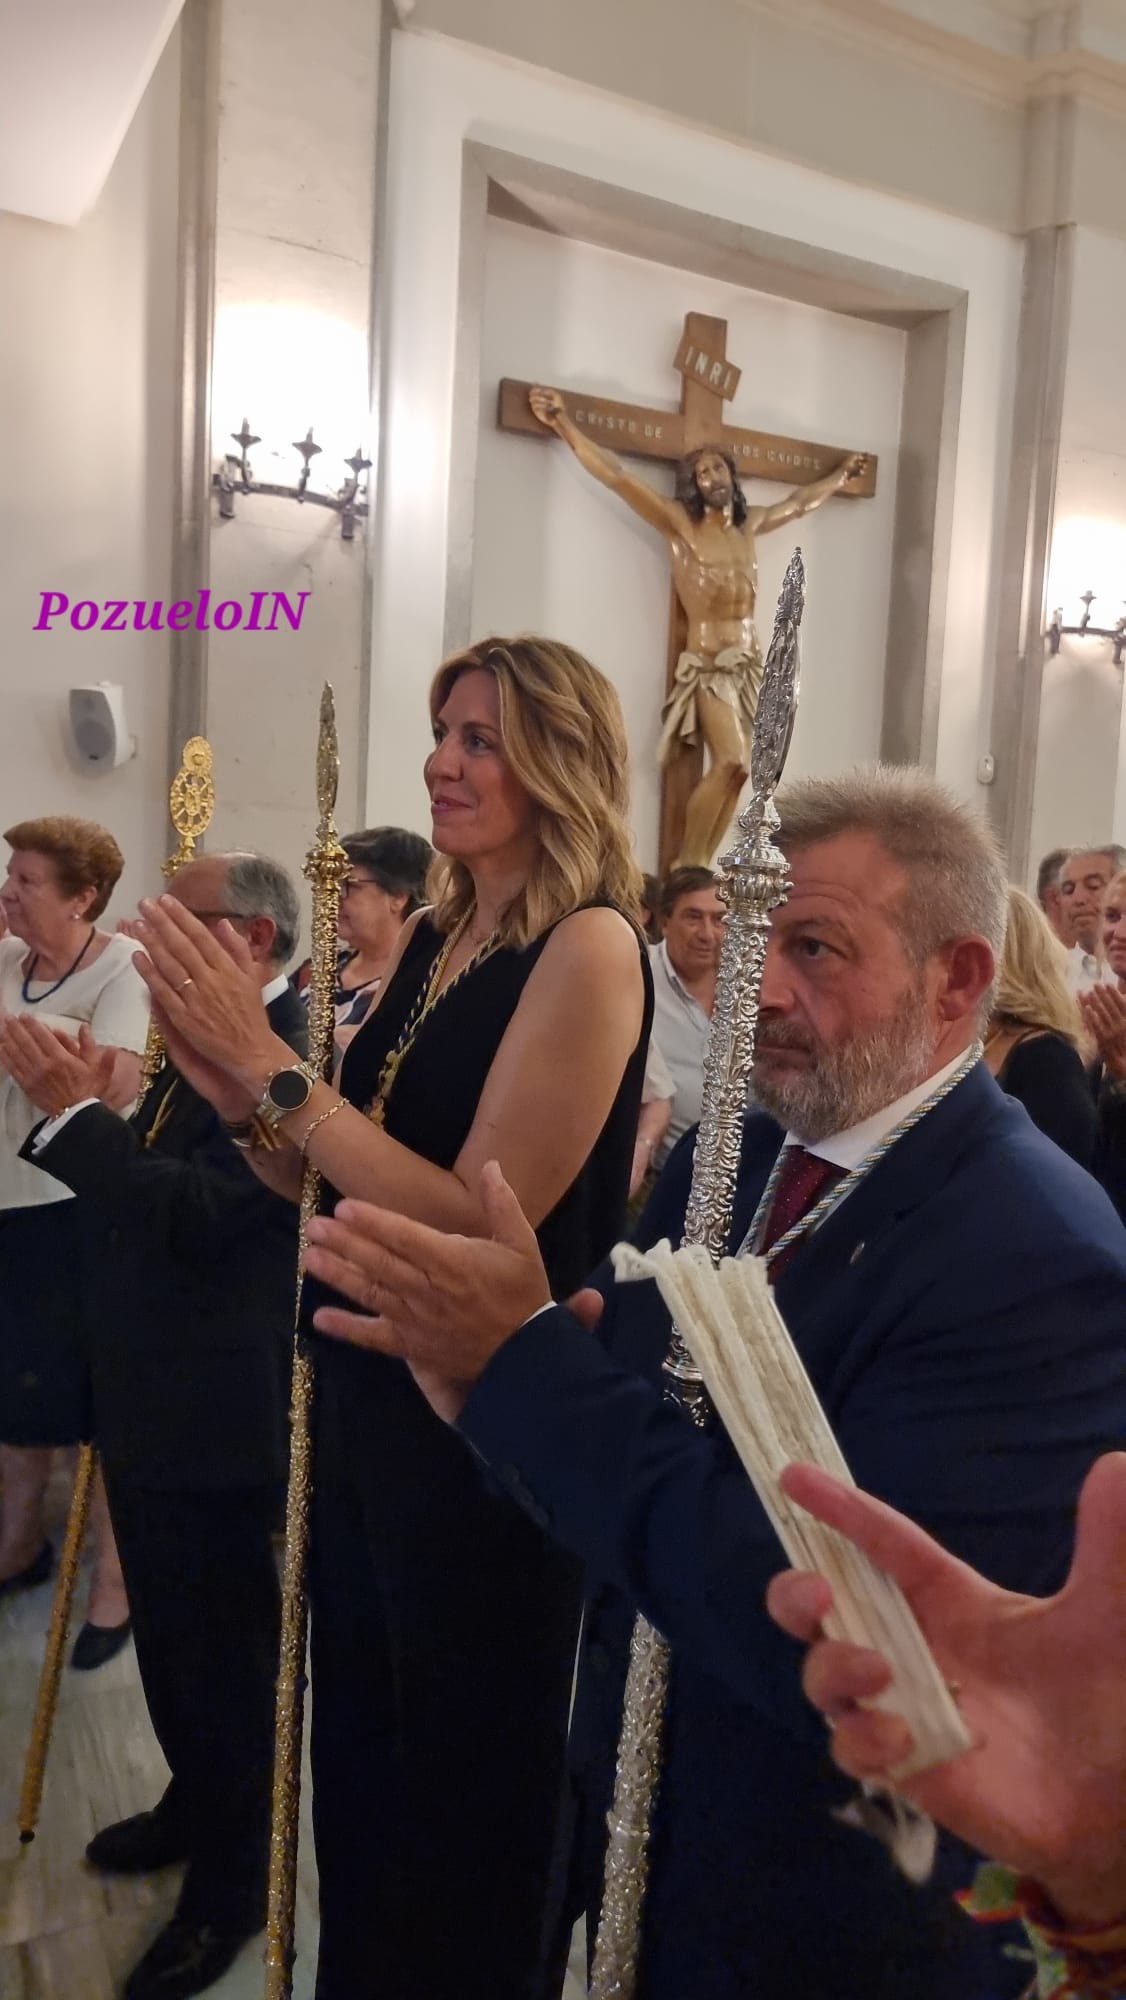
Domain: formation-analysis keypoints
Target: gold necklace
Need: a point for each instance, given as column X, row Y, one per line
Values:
column 427, row 1000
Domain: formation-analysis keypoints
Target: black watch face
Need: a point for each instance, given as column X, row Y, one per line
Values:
column 289, row 1090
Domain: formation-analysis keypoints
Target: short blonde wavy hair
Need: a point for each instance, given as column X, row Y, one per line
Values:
column 564, row 737
column 1032, row 989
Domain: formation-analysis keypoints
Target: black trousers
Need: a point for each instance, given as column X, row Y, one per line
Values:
column 204, row 1597
column 443, row 1639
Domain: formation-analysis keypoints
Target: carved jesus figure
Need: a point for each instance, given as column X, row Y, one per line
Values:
column 710, row 533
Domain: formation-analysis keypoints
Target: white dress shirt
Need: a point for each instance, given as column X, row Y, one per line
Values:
column 1083, row 969
column 680, row 1029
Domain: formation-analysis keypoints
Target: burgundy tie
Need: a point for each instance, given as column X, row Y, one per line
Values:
column 803, row 1178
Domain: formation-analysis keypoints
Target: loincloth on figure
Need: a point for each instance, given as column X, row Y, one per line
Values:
column 734, row 676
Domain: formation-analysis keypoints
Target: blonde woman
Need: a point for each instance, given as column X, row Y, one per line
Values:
column 511, row 1024
column 1036, row 1033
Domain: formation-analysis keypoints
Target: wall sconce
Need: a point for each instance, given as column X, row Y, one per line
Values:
column 236, row 476
column 1085, row 630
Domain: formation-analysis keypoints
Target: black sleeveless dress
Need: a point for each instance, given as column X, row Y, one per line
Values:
column 444, row 1621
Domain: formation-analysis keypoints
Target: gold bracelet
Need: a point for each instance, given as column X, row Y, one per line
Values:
column 321, row 1119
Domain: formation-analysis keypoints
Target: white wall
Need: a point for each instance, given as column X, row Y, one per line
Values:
column 1080, row 791
column 555, row 552
column 87, row 373
column 443, row 94
column 293, row 283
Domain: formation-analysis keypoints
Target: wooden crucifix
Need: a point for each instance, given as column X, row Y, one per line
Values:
column 714, row 661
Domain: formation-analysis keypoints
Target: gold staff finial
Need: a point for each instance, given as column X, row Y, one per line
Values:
column 326, row 865
column 191, row 802
column 753, row 883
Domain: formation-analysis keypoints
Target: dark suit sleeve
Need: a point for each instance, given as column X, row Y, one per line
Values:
column 197, row 1206
column 1110, row 1152
column 979, row 1422
column 599, row 1461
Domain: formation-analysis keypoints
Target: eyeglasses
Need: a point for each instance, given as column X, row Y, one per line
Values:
column 356, row 882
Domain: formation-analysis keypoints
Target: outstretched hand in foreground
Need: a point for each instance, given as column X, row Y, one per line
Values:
column 443, row 1303
column 1042, row 1685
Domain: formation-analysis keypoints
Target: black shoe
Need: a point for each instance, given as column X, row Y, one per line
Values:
column 96, row 1644
column 36, row 1572
column 186, row 1958
column 137, row 1846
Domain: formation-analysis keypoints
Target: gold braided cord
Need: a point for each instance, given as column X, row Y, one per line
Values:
column 325, row 868
column 191, row 801
column 428, row 998
column 753, row 884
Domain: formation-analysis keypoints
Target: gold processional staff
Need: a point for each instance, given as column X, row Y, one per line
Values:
column 191, row 802
column 753, row 883
column 325, row 868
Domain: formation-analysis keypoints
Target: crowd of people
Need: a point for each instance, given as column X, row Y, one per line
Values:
column 521, row 1023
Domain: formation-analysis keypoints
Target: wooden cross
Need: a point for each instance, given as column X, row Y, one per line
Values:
column 708, row 380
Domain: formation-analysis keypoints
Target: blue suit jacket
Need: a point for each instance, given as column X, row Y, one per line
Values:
column 963, row 1318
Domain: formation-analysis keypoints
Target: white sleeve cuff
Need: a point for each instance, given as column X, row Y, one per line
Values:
column 540, row 1310
column 55, row 1125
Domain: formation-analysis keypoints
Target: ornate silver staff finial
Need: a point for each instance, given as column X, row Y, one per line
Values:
column 753, row 883
column 778, row 698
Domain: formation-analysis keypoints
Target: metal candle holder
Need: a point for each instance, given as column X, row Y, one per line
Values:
column 1085, row 630
column 236, row 476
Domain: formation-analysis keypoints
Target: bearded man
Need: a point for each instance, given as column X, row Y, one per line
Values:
column 954, row 1285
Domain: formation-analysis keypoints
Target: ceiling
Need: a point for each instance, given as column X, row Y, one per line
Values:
column 72, row 73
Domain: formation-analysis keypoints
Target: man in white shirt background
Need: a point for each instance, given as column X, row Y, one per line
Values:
column 1082, row 885
column 685, row 964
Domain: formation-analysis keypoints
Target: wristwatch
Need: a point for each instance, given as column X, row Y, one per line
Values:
column 287, row 1090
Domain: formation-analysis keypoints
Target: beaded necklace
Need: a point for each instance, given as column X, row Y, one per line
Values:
column 37, row 999
column 425, row 1003
column 814, row 1217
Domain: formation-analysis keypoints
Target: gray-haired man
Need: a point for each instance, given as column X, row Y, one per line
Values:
column 954, row 1285
column 1083, row 879
column 190, row 1285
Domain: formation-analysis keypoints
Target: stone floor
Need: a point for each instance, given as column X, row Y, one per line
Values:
column 65, row 1932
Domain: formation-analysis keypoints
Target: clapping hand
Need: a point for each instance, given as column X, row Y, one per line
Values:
column 1042, row 1685
column 444, row 1303
column 207, row 998
column 1104, row 1013
column 53, row 1069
